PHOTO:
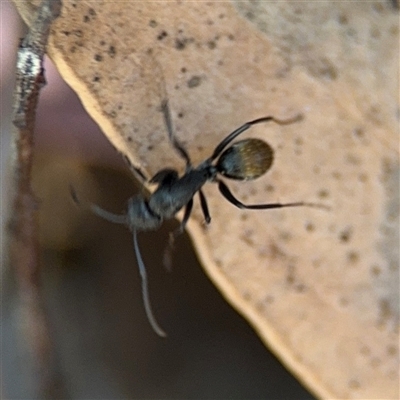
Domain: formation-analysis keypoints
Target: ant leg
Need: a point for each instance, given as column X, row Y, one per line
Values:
column 232, row 199
column 248, row 125
column 175, row 142
column 167, row 258
column 204, row 207
column 145, row 289
column 186, row 216
column 136, row 171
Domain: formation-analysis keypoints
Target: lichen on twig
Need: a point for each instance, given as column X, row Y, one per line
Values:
column 23, row 248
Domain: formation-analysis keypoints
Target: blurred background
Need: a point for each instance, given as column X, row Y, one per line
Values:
column 103, row 343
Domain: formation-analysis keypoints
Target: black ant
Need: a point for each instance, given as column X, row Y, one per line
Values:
column 244, row 160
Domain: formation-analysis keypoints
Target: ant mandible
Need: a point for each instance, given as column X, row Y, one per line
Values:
column 244, row 160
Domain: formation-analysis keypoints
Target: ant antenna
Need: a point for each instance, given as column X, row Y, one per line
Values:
column 145, row 289
column 111, row 217
column 123, row 219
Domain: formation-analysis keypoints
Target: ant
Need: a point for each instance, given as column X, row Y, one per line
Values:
column 246, row 159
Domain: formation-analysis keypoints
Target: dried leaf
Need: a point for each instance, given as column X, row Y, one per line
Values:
column 320, row 288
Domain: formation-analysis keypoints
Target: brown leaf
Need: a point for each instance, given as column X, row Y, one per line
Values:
column 320, row 287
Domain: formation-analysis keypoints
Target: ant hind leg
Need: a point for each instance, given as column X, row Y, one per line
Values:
column 232, row 199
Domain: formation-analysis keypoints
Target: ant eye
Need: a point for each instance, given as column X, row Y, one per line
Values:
column 245, row 160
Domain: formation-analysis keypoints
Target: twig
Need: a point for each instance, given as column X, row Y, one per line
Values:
column 23, row 238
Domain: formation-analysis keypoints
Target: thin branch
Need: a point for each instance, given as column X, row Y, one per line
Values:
column 23, row 230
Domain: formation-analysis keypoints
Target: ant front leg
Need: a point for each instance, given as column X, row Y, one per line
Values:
column 136, row 171
column 173, row 235
column 232, row 199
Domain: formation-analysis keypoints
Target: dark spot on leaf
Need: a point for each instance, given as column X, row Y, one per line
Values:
column 269, row 188
column 194, row 81
column 298, row 141
column 250, row 15
column 354, row 384
column 343, row 302
column 385, row 311
column 269, row 299
column 352, row 257
column 363, row 177
column 376, row 270
column 285, row 236
column 153, row 23
column 211, row 45
column 375, row 362
column 323, row 193
column 162, row 35
column 180, row 44
column 98, row 57
column 391, row 350
column 111, row 51
column 346, row 235
column 342, row 19
column 301, row 288
column 365, row 350
column 310, row 227
column 378, row 7
column 323, row 68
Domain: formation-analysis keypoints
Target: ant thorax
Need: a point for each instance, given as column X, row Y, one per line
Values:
column 174, row 193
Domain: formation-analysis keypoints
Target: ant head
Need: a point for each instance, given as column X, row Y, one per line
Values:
column 140, row 217
column 245, row 160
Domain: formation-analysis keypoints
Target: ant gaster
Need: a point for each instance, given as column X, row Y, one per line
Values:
column 244, row 160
